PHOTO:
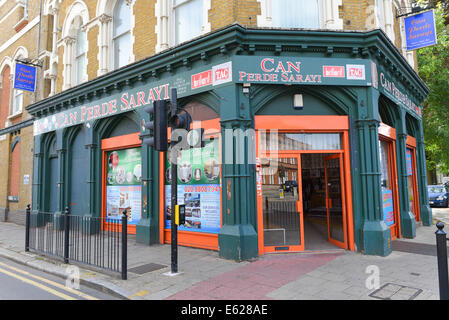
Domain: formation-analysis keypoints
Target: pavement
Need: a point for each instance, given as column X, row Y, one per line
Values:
column 408, row 273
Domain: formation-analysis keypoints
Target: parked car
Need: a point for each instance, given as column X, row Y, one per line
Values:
column 438, row 196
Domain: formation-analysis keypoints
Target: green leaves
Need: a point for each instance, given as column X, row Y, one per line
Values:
column 433, row 68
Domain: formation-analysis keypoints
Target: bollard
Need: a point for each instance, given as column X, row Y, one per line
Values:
column 124, row 245
column 27, row 228
column 66, row 235
column 442, row 262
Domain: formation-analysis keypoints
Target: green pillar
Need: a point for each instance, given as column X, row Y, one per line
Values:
column 37, row 174
column 408, row 222
column 147, row 230
column 62, row 152
column 237, row 238
column 425, row 210
column 376, row 234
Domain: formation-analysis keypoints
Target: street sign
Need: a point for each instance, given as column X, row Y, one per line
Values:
column 420, row 30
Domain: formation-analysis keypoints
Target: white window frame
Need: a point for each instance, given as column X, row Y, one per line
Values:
column 114, row 38
column 328, row 11
column 165, row 30
column 70, row 78
column 79, row 78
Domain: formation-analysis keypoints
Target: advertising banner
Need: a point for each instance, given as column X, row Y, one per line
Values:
column 388, row 211
column 420, row 30
column 408, row 159
column 199, row 189
column 25, row 77
column 123, row 185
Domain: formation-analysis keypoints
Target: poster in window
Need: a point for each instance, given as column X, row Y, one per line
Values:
column 408, row 158
column 123, row 185
column 199, row 189
column 387, row 203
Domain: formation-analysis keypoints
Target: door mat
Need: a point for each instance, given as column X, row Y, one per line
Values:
column 391, row 291
column 145, row 268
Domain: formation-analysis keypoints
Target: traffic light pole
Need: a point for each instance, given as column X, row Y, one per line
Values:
column 174, row 192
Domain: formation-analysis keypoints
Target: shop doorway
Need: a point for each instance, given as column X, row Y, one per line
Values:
column 303, row 202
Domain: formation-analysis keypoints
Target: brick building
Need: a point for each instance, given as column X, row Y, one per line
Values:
column 107, row 57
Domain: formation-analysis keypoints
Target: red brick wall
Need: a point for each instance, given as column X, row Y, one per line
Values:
column 4, row 96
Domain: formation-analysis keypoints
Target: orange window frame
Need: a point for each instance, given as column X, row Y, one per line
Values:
column 411, row 144
column 388, row 134
column 110, row 144
column 194, row 239
column 307, row 124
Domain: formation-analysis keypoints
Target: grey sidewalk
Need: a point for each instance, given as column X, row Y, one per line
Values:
column 333, row 275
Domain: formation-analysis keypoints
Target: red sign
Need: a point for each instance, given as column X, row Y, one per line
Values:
column 202, row 79
column 334, row 71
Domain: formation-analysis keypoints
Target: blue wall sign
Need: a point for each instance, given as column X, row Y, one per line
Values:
column 25, row 77
column 420, row 30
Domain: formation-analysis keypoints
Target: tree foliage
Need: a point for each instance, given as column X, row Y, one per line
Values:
column 433, row 67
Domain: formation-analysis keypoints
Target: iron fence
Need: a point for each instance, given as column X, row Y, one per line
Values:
column 95, row 241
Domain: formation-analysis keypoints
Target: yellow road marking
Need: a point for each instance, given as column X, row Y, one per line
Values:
column 139, row 294
column 58, row 285
column 37, row 284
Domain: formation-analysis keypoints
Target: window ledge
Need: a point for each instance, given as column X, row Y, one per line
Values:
column 21, row 24
column 16, row 115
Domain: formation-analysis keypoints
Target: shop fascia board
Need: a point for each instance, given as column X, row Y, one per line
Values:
column 373, row 41
column 224, row 42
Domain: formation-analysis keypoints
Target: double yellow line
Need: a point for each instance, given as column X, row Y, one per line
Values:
column 43, row 287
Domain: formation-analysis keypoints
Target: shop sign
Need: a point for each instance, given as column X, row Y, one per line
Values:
column 420, row 30
column 388, row 211
column 25, row 77
column 393, row 91
column 296, row 70
column 123, row 185
column 197, row 81
column 333, row 71
column 199, row 189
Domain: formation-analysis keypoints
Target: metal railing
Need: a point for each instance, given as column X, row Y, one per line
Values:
column 95, row 241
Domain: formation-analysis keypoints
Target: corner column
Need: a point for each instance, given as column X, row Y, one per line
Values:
column 425, row 210
column 237, row 238
column 376, row 234
column 408, row 222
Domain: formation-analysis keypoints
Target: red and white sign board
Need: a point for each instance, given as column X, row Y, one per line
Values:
column 222, row 73
column 202, row 79
column 334, row 71
column 355, row 72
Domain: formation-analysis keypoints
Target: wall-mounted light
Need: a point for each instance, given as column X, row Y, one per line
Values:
column 298, row 102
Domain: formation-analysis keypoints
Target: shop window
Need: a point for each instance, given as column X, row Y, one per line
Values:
column 386, row 182
column 121, row 36
column 273, row 141
column 199, row 176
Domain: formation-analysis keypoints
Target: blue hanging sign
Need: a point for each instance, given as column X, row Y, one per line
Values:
column 25, row 77
column 420, row 30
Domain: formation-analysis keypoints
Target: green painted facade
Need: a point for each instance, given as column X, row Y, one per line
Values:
column 245, row 48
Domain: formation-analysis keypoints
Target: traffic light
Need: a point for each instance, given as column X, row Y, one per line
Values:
column 181, row 120
column 157, row 125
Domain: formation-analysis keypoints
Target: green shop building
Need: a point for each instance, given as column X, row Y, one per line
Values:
column 313, row 140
